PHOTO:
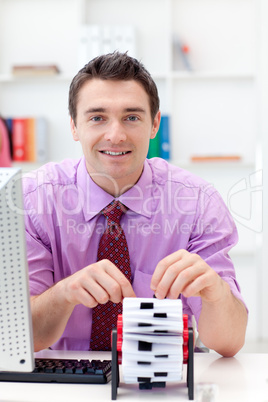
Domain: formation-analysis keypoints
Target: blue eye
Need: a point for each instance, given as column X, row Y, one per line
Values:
column 132, row 118
column 96, row 118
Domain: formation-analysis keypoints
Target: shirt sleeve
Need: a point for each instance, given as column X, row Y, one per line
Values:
column 214, row 234
column 40, row 261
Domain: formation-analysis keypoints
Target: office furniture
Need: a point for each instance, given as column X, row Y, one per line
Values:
column 243, row 378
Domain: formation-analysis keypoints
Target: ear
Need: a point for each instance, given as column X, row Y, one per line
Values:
column 74, row 130
column 156, row 124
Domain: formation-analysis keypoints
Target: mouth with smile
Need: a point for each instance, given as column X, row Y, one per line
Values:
column 114, row 153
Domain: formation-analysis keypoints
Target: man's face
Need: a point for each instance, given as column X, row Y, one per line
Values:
column 114, row 126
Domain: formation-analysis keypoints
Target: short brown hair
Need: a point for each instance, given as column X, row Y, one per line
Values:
column 114, row 66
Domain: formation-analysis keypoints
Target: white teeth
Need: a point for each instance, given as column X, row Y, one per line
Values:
column 114, row 153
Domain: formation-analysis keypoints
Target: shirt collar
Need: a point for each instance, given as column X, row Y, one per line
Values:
column 138, row 198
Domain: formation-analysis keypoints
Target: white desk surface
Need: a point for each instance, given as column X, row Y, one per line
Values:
column 243, row 378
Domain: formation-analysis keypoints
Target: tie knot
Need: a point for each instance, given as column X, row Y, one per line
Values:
column 113, row 211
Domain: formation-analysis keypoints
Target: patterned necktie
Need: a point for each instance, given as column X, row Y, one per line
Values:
column 113, row 246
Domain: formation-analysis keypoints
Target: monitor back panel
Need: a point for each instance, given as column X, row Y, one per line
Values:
column 16, row 345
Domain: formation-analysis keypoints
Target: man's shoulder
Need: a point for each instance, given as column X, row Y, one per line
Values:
column 51, row 174
column 164, row 172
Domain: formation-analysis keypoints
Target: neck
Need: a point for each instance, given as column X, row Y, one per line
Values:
column 114, row 187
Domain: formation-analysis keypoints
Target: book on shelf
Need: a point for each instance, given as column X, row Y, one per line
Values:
column 154, row 147
column 28, row 139
column 95, row 40
column 160, row 145
column 5, row 155
column 164, row 137
column 34, row 70
column 8, row 123
column 19, row 139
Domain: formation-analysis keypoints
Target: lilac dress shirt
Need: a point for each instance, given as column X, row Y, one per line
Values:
column 169, row 209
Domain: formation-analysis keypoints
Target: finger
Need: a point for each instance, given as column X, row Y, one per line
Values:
column 174, row 279
column 128, row 291
column 208, row 286
column 112, row 280
column 176, row 272
column 163, row 265
column 197, row 280
column 105, row 288
column 194, row 289
column 184, row 283
column 84, row 290
column 87, row 299
column 125, row 285
column 90, row 286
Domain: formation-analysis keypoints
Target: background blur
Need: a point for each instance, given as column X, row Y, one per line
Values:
column 209, row 59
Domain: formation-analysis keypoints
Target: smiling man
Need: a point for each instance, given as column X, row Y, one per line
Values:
column 174, row 234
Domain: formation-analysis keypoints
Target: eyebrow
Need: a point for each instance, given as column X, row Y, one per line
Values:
column 135, row 109
column 103, row 110
column 95, row 110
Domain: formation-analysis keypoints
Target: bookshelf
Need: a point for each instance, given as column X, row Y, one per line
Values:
column 221, row 64
column 213, row 108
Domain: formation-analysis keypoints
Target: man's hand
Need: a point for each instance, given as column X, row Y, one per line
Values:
column 223, row 318
column 186, row 273
column 96, row 284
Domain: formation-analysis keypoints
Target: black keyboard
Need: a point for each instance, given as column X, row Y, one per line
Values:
column 64, row 370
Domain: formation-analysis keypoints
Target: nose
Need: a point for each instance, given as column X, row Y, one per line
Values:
column 115, row 132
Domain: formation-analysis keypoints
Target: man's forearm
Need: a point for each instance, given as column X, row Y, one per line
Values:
column 50, row 314
column 222, row 325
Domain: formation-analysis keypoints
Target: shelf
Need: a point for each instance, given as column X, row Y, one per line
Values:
column 187, row 164
column 27, row 166
column 9, row 78
column 199, row 75
column 182, row 75
column 175, row 75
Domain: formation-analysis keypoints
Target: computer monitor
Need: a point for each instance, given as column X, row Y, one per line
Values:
column 16, row 341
